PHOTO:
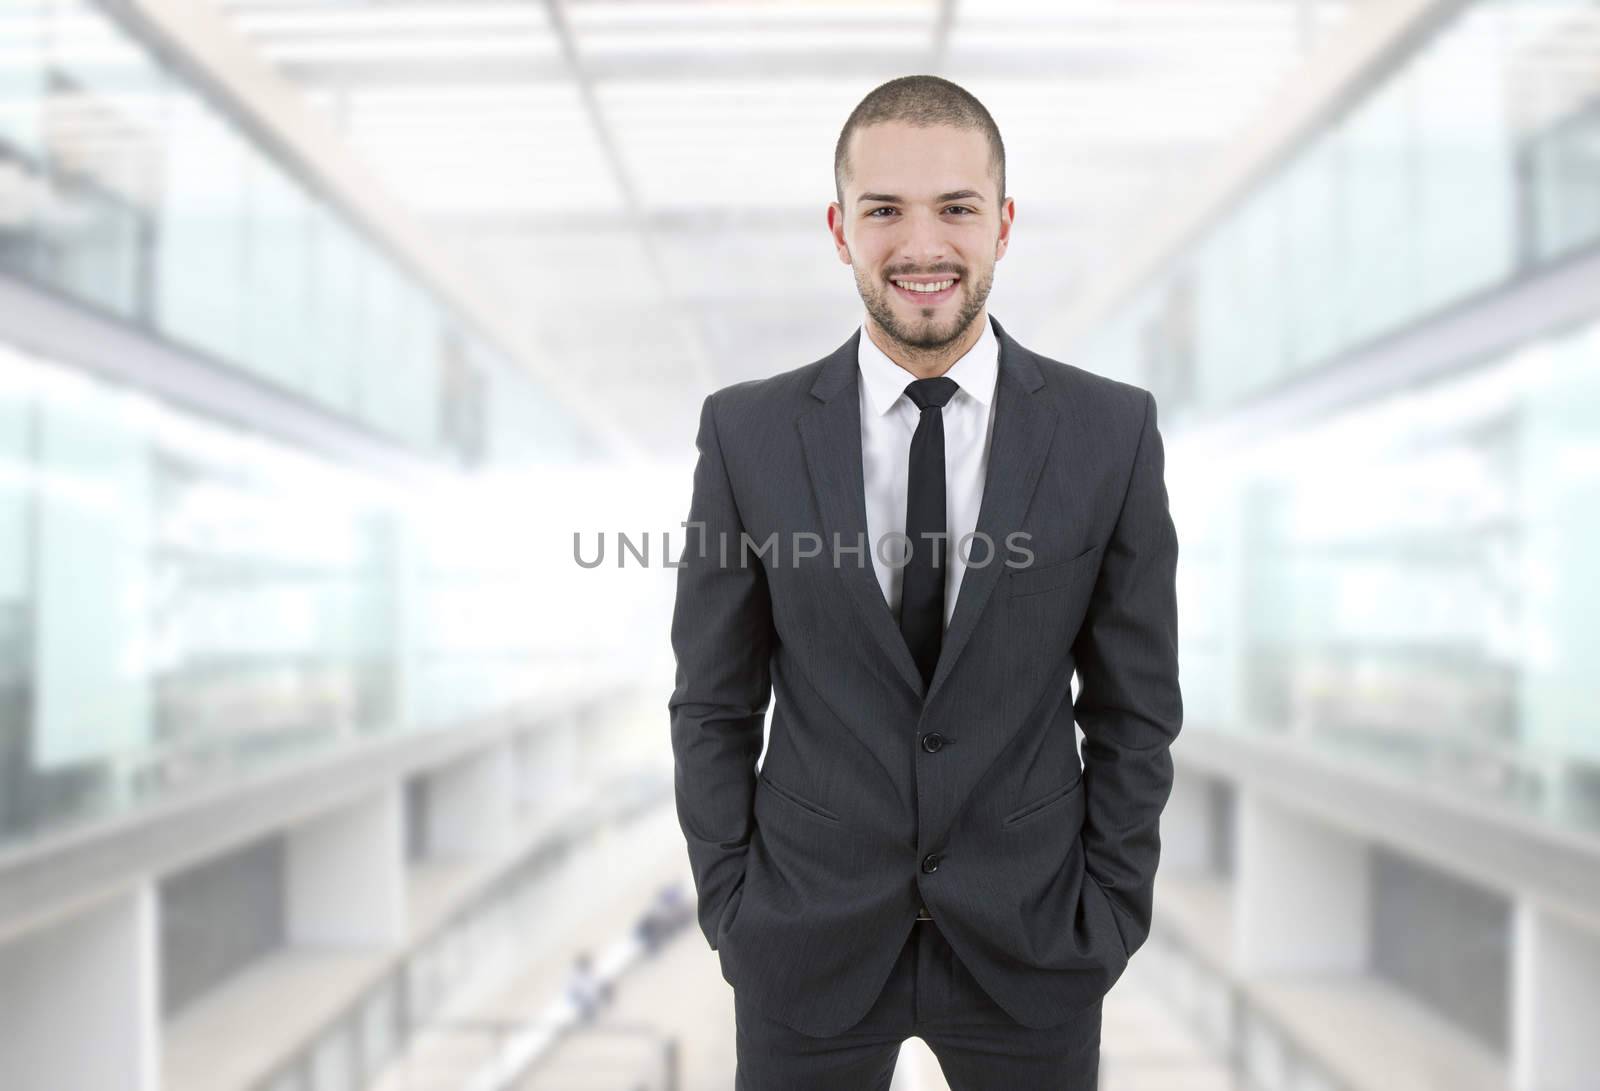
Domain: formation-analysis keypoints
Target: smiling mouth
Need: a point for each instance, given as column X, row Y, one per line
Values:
column 925, row 290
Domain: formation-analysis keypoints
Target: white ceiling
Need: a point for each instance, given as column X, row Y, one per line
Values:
column 645, row 184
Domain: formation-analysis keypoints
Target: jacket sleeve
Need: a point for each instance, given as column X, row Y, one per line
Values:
column 1129, row 704
column 721, row 639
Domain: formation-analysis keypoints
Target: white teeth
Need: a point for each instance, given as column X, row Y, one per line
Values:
column 937, row 287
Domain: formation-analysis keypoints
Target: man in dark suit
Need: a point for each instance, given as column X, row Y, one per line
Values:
column 916, row 542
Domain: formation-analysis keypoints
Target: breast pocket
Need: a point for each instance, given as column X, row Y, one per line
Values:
column 1036, row 580
column 1045, row 608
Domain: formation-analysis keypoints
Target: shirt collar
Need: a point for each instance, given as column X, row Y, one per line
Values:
column 885, row 380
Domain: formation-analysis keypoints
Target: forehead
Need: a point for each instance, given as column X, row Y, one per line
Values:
column 918, row 160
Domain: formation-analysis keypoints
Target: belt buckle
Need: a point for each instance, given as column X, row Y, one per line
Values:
column 922, row 914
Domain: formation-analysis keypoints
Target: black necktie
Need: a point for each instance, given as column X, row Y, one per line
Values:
column 922, row 583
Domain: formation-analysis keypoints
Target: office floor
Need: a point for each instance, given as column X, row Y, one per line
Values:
column 680, row 995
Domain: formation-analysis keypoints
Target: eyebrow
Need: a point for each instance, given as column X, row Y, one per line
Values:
column 958, row 195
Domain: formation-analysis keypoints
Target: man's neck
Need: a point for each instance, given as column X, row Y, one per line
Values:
column 928, row 363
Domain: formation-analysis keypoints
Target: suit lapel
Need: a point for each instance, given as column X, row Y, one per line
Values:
column 1023, row 426
column 831, row 435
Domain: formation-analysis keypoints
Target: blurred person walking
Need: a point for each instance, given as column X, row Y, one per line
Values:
column 585, row 990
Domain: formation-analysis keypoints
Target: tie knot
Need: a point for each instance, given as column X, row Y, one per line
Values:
column 932, row 393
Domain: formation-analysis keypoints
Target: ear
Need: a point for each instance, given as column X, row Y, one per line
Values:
column 836, row 230
column 1008, row 212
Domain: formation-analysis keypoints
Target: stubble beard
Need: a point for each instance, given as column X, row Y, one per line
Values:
column 924, row 335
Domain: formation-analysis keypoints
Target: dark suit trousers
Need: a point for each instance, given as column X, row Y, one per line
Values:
column 929, row 995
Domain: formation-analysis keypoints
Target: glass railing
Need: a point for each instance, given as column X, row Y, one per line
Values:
column 126, row 189
column 1471, row 164
column 182, row 601
column 1407, row 584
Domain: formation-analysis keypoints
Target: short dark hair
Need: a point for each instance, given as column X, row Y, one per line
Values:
column 922, row 101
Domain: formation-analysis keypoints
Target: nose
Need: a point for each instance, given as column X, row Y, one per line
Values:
column 923, row 246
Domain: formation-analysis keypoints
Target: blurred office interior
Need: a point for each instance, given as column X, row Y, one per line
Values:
column 331, row 330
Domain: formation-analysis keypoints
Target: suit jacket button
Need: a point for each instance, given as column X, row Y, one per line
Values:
column 932, row 741
column 930, row 862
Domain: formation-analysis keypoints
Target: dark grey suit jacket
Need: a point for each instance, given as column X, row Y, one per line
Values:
column 810, row 873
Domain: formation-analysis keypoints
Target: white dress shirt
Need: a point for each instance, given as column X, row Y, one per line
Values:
column 888, row 419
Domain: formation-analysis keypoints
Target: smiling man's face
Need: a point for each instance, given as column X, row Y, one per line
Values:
column 921, row 210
